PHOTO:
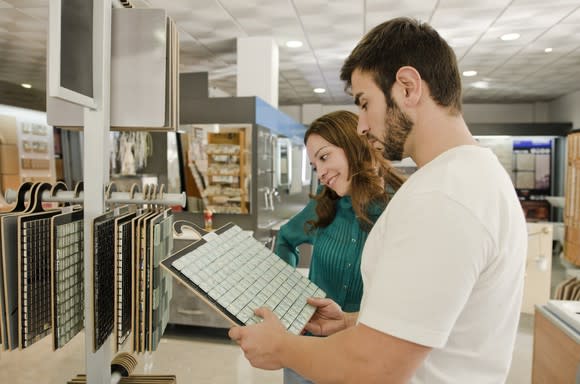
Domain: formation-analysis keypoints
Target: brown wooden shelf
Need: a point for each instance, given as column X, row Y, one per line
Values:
column 233, row 138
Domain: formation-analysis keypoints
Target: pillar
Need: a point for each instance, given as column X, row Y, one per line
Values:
column 257, row 69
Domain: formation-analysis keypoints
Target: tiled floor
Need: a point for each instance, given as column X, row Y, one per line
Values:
column 201, row 356
column 521, row 368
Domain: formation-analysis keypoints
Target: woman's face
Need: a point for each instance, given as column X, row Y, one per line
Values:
column 330, row 163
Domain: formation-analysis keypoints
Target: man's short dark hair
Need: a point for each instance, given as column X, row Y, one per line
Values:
column 406, row 42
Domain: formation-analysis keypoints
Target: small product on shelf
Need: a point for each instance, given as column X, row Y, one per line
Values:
column 207, row 219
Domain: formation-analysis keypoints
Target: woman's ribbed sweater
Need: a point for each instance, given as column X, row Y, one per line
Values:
column 336, row 252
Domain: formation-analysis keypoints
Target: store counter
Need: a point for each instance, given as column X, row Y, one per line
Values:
column 556, row 356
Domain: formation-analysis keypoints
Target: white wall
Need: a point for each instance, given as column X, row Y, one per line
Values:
column 505, row 113
column 23, row 114
column 566, row 108
column 258, row 68
column 307, row 113
column 473, row 113
column 294, row 111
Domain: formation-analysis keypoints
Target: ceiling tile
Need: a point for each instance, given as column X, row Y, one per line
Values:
column 330, row 29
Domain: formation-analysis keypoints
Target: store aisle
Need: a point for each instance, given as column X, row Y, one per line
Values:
column 200, row 356
column 195, row 355
column 521, row 368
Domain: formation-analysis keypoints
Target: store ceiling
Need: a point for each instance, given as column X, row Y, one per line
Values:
column 514, row 71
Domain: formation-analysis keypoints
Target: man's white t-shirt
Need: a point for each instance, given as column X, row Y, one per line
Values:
column 444, row 266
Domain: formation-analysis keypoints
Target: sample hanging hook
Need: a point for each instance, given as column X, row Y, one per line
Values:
column 131, row 197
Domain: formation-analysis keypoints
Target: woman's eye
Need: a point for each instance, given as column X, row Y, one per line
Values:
column 324, row 157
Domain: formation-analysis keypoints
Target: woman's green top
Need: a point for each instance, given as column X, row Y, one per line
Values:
column 336, row 251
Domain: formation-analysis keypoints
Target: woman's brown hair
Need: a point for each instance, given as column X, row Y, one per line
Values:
column 368, row 171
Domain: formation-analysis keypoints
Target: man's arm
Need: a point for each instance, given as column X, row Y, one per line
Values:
column 357, row 354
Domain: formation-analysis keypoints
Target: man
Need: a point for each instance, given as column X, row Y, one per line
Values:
column 443, row 266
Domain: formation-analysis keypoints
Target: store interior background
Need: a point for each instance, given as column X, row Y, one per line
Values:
column 526, row 89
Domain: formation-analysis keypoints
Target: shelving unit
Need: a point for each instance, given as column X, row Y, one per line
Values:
column 26, row 149
column 37, row 152
column 226, row 173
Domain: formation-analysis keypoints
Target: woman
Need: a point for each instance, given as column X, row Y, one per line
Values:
column 355, row 181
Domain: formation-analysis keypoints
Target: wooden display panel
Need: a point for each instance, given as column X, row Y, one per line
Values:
column 556, row 356
column 572, row 201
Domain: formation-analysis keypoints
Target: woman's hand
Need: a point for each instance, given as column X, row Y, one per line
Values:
column 327, row 319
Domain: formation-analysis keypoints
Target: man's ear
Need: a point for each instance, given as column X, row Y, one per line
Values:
column 409, row 82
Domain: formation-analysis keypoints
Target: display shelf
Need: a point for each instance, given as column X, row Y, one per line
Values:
column 36, row 152
column 226, row 175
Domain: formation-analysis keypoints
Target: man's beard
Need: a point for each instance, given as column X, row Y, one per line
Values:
column 398, row 127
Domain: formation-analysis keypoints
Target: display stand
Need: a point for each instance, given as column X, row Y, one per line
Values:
column 167, row 199
column 95, row 177
column 96, row 124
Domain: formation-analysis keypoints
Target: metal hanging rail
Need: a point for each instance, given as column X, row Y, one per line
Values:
column 115, row 198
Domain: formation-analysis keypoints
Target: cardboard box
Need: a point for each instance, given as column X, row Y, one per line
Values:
column 59, row 169
column 8, row 130
column 10, row 182
column 35, row 164
column 9, row 159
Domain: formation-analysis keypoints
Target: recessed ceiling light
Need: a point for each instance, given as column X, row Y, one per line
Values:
column 481, row 84
column 294, row 44
column 319, row 90
column 469, row 73
column 510, row 36
column 548, row 50
column 24, row 85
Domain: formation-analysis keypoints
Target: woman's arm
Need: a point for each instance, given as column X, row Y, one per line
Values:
column 292, row 234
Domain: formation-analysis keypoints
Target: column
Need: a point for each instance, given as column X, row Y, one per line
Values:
column 257, row 69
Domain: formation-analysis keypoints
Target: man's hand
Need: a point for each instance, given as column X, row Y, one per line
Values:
column 261, row 342
column 327, row 319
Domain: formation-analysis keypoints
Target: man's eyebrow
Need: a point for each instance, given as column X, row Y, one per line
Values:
column 357, row 98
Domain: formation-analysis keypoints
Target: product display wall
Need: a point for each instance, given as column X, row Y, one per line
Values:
column 42, row 265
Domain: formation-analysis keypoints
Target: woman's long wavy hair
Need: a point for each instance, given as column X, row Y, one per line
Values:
column 369, row 172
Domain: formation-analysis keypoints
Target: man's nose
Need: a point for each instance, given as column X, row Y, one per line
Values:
column 362, row 127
